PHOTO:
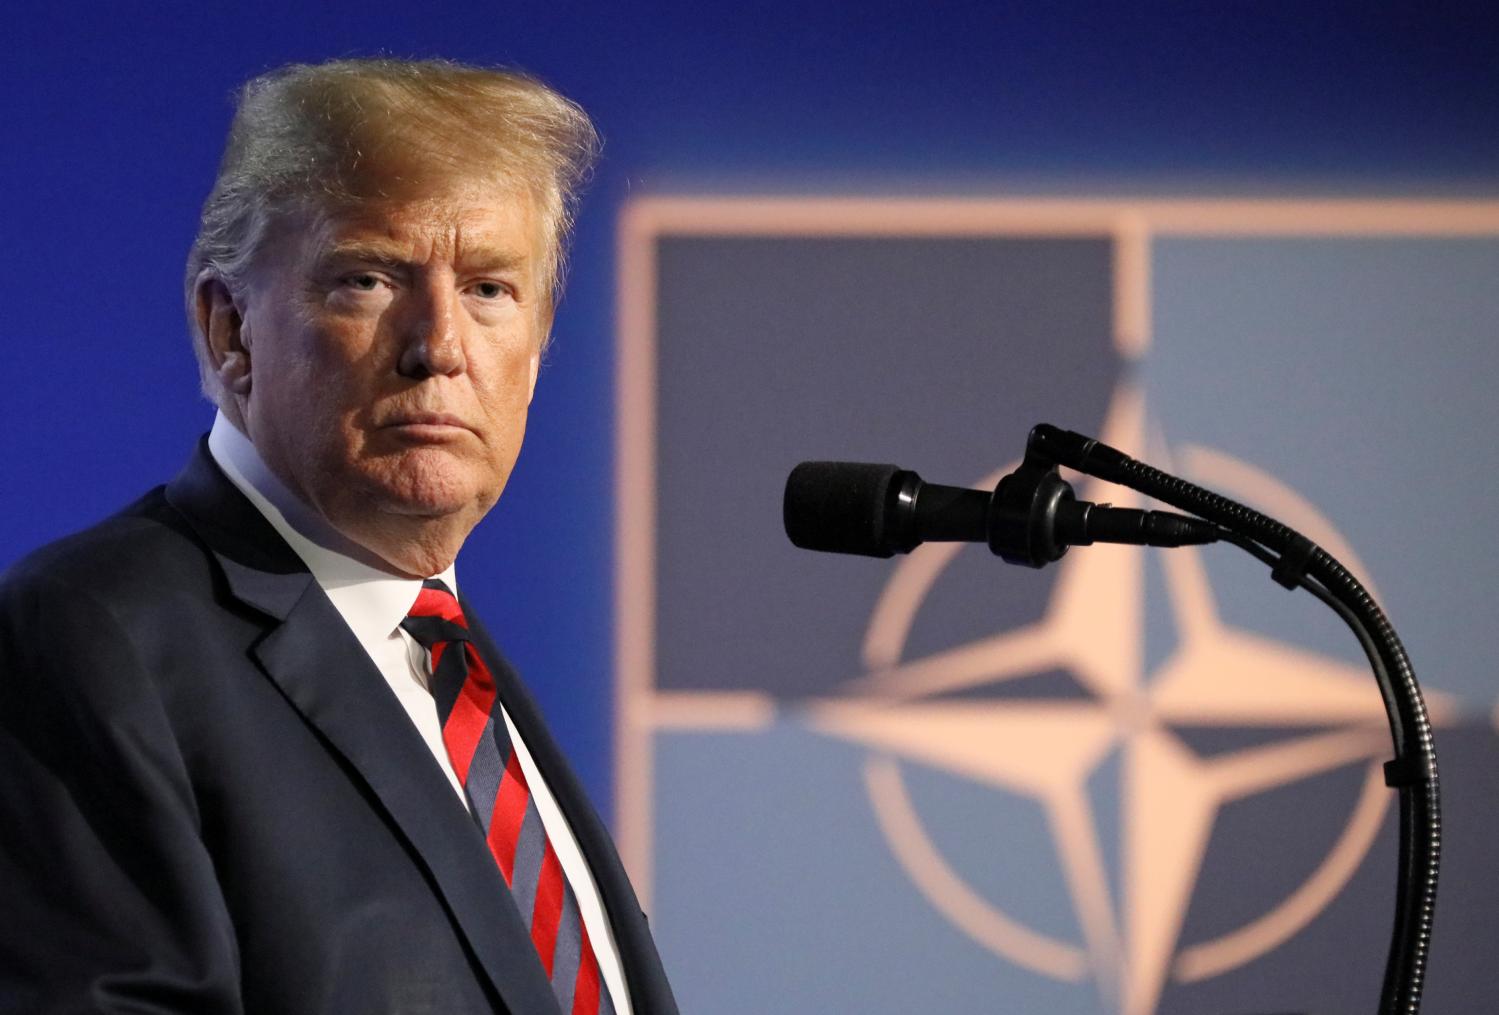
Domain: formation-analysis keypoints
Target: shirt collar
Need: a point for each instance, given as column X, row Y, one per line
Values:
column 372, row 602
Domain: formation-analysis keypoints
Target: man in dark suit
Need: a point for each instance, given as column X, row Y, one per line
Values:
column 254, row 756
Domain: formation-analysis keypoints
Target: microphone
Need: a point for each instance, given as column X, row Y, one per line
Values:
column 1030, row 518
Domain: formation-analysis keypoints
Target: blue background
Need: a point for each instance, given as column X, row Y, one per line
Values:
column 112, row 117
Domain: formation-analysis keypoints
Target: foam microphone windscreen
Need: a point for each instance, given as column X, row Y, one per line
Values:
column 843, row 507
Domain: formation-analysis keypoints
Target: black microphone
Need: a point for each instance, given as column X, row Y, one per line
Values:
column 1030, row 518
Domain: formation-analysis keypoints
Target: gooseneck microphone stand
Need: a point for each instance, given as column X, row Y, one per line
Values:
column 1032, row 517
column 1021, row 507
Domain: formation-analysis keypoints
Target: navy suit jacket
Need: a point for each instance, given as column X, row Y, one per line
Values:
column 211, row 801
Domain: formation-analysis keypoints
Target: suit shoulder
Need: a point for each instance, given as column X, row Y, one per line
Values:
column 130, row 556
column 97, row 616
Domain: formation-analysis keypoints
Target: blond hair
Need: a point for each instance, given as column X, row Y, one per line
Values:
column 310, row 134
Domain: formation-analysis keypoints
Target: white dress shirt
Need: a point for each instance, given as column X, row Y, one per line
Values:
column 373, row 603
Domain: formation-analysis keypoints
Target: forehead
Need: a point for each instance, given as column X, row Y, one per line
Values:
column 458, row 222
column 458, row 217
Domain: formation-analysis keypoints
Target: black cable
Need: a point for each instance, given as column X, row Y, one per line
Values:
column 1316, row 588
column 1296, row 561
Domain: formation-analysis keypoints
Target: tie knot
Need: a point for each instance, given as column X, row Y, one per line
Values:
column 436, row 616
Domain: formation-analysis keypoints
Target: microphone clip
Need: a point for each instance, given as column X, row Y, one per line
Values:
column 1023, row 513
column 1034, row 516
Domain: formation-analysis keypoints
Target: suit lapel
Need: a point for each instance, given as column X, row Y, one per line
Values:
column 646, row 979
column 315, row 660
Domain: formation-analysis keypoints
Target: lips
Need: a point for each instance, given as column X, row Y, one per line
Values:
column 434, row 425
column 425, row 419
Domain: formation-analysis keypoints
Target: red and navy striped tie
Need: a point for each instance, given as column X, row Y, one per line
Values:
column 486, row 763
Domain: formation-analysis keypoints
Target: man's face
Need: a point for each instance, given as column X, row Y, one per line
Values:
column 393, row 350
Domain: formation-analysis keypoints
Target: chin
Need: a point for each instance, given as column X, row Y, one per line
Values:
column 432, row 489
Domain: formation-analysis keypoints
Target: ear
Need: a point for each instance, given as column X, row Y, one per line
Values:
column 221, row 328
column 535, row 369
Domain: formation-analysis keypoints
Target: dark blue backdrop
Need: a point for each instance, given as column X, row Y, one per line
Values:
column 112, row 116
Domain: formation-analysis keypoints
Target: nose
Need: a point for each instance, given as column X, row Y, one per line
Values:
column 433, row 341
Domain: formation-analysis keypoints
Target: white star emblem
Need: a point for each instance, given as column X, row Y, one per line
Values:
column 1048, row 749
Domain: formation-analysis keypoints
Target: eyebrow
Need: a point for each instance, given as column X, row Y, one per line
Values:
column 477, row 260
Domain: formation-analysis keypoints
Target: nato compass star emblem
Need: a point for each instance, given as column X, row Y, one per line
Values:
column 904, row 710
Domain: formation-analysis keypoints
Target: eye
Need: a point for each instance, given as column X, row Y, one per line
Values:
column 364, row 282
column 490, row 290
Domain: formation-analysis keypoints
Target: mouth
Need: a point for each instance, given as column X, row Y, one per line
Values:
column 426, row 427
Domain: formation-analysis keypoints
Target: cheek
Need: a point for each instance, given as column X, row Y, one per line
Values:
column 314, row 408
column 325, row 372
column 506, row 407
column 506, row 380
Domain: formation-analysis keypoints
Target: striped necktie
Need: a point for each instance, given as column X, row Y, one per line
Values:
column 485, row 761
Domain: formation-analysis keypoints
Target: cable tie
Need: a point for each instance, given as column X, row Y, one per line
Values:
column 1291, row 567
column 1401, row 772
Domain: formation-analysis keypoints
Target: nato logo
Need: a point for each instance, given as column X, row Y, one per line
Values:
column 1137, row 781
